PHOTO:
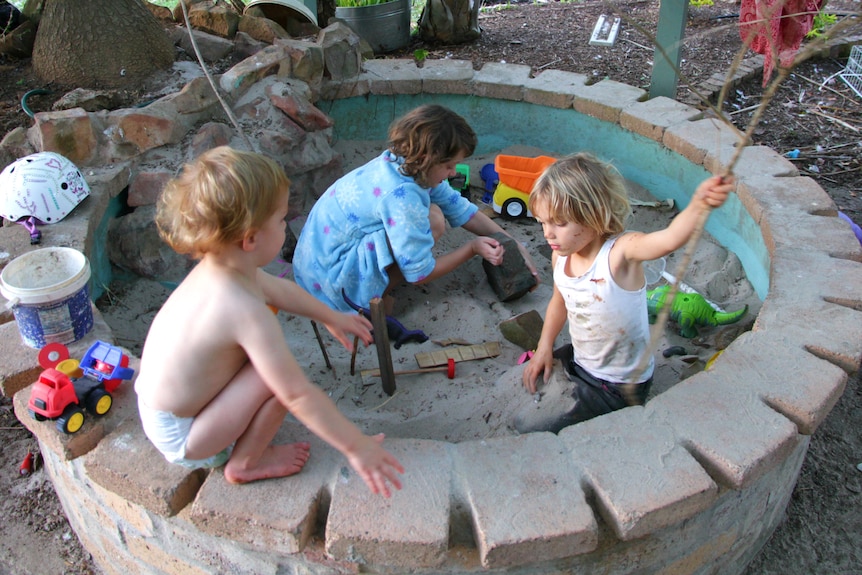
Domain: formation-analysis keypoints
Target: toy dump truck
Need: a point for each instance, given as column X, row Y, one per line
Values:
column 64, row 395
column 517, row 175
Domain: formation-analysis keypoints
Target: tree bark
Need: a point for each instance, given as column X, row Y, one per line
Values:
column 100, row 43
column 450, row 21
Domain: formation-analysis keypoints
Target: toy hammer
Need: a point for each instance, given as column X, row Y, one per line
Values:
column 449, row 368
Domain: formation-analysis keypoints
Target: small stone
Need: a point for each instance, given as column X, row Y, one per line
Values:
column 524, row 330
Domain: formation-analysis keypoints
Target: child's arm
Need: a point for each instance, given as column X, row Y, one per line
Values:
column 262, row 341
column 483, row 246
column 711, row 193
column 482, row 225
column 288, row 296
column 543, row 358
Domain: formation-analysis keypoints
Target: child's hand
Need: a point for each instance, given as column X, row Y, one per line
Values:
column 714, row 191
column 542, row 363
column 489, row 249
column 375, row 465
column 352, row 324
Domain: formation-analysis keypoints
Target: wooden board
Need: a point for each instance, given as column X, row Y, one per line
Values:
column 461, row 353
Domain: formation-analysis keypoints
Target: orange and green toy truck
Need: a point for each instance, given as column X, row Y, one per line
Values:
column 517, row 175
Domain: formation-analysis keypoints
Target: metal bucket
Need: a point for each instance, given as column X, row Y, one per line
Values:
column 385, row 26
column 282, row 11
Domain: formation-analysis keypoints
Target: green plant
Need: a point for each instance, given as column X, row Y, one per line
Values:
column 420, row 54
column 822, row 21
column 700, row 2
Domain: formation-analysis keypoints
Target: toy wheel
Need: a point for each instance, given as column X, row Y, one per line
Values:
column 36, row 416
column 72, row 419
column 99, row 402
column 513, row 208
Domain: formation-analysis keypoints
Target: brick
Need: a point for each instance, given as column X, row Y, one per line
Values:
column 652, row 117
column 606, row 99
column 757, row 192
column 446, row 76
column 150, row 551
column 643, row 484
column 276, row 515
column 788, row 228
column 126, row 463
column 387, row 77
column 365, row 528
column 751, row 160
column 735, row 456
column 537, row 513
column 694, row 140
column 555, row 89
column 767, row 358
column 501, row 81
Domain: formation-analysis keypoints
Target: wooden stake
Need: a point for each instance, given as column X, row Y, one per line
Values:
column 381, row 341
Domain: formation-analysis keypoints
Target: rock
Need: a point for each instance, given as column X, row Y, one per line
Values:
column 134, row 245
column 524, row 330
column 511, row 279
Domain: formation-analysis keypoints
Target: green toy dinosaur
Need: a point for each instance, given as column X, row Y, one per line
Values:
column 689, row 311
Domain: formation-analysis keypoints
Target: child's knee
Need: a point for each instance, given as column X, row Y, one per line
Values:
column 438, row 222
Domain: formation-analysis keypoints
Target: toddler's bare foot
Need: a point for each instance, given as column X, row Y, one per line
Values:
column 276, row 461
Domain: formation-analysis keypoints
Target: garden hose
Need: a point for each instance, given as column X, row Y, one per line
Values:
column 36, row 92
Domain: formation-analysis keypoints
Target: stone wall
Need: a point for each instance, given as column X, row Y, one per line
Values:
column 693, row 482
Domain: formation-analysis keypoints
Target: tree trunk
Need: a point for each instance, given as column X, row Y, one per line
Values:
column 100, row 43
column 450, row 21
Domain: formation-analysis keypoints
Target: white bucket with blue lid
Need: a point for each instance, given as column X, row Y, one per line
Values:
column 49, row 294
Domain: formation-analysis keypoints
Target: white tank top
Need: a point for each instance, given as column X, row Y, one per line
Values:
column 609, row 325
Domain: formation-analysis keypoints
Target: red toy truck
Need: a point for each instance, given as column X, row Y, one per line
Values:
column 59, row 396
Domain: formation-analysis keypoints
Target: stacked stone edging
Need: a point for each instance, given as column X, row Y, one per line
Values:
column 693, row 482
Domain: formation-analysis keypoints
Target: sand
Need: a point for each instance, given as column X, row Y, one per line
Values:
column 462, row 309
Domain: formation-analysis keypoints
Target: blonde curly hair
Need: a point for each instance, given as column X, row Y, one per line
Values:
column 581, row 188
column 218, row 199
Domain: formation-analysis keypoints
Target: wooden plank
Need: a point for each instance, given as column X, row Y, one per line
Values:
column 460, row 353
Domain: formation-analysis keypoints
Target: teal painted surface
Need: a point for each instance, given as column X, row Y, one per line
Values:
column 669, row 35
column 503, row 123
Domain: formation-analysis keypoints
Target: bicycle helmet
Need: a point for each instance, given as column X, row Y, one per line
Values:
column 40, row 189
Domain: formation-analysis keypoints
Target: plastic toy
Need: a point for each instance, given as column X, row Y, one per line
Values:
column 461, row 180
column 491, row 179
column 59, row 396
column 689, row 310
column 395, row 330
column 26, row 467
column 517, row 175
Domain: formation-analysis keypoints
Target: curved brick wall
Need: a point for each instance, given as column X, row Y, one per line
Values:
column 693, row 482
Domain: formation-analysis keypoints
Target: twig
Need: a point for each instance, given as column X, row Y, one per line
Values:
column 385, row 402
column 748, row 109
column 322, row 346
column 821, row 85
column 543, row 66
column 836, row 120
column 209, row 77
column 647, row 48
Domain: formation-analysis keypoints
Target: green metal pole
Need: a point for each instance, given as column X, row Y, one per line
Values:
column 671, row 30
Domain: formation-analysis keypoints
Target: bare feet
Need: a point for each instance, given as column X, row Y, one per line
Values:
column 276, row 461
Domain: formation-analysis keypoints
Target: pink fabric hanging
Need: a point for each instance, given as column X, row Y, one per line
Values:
column 776, row 27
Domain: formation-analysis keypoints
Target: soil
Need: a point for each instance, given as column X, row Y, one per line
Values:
column 813, row 112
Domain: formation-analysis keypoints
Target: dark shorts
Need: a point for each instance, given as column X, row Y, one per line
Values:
column 593, row 396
